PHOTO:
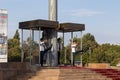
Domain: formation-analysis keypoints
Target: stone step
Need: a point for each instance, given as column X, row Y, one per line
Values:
column 83, row 76
column 45, row 78
column 56, row 71
column 85, row 79
column 62, row 74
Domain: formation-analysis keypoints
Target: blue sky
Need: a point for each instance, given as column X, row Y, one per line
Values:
column 101, row 17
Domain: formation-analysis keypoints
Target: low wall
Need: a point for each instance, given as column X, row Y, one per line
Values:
column 99, row 65
column 11, row 69
column 6, row 74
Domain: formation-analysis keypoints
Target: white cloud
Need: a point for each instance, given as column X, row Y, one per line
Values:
column 85, row 12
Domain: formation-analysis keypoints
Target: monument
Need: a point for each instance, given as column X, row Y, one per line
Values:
column 52, row 34
column 50, row 28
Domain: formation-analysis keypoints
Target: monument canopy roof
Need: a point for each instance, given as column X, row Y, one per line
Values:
column 36, row 24
column 47, row 24
column 71, row 27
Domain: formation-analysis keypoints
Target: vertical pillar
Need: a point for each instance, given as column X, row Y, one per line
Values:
column 53, row 32
column 31, row 45
column 22, row 54
column 71, row 48
column 81, row 49
column 33, row 58
column 39, row 43
column 64, row 49
column 53, row 10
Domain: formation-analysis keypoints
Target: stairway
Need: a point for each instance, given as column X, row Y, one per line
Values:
column 80, row 74
column 61, row 73
column 110, row 73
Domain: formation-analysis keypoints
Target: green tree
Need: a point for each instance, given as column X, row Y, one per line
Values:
column 99, row 53
column 26, row 49
column 106, row 53
column 17, row 36
column 14, row 51
column 88, row 40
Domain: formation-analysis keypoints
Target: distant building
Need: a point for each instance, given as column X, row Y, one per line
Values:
column 3, row 35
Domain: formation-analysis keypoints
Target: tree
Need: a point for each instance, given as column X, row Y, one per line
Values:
column 17, row 36
column 100, row 53
column 106, row 53
column 14, row 51
column 26, row 49
column 88, row 40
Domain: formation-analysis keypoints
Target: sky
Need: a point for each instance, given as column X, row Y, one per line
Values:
column 101, row 17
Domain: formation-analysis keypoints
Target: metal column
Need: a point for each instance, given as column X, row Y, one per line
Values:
column 64, row 48
column 22, row 53
column 39, row 44
column 81, row 49
column 33, row 60
column 31, row 45
column 71, row 48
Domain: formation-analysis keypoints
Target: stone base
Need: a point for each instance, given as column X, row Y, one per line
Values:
column 99, row 65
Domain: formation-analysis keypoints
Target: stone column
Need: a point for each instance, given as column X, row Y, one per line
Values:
column 51, row 34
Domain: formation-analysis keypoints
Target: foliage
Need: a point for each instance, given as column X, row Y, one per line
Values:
column 17, row 36
column 26, row 48
column 14, row 51
column 97, row 53
column 14, row 54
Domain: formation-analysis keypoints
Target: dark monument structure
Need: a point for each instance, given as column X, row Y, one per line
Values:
column 50, row 29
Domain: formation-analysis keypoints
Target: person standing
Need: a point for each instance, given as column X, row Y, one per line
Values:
column 42, row 48
column 58, row 49
column 74, row 48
